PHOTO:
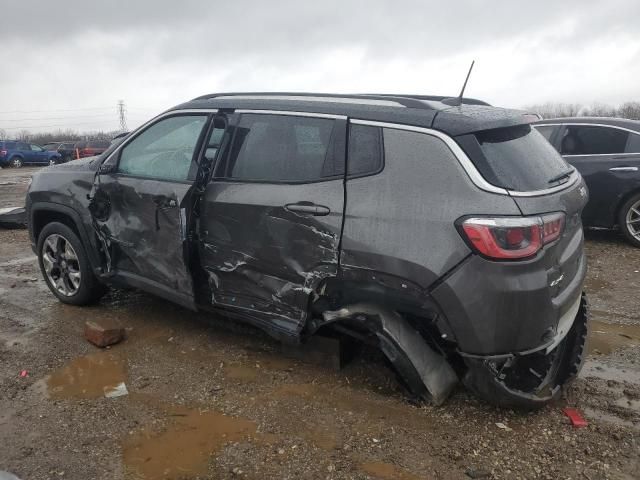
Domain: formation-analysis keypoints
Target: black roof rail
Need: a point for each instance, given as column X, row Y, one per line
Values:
column 406, row 101
column 435, row 98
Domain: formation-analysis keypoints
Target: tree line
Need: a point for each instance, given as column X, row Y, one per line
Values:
column 629, row 110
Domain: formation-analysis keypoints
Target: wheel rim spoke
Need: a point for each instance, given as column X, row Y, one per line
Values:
column 633, row 220
column 61, row 265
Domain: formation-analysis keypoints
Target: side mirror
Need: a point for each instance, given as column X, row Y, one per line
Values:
column 106, row 168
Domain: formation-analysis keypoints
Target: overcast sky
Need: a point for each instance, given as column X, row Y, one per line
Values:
column 66, row 63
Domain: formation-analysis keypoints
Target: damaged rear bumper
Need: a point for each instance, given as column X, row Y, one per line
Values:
column 534, row 378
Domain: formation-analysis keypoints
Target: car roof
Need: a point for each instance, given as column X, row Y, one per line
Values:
column 429, row 111
column 613, row 121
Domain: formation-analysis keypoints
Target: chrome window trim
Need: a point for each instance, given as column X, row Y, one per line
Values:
column 578, row 124
column 170, row 113
column 474, row 175
column 293, row 114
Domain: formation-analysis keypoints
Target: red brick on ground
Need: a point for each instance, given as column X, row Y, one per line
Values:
column 103, row 333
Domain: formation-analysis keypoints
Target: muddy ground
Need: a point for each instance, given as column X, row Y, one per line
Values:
column 208, row 400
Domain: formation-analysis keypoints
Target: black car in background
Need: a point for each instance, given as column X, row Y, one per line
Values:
column 606, row 151
column 65, row 149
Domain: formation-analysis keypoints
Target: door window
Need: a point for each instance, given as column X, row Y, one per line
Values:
column 546, row 131
column 36, row 148
column 365, row 150
column 281, row 148
column 633, row 144
column 23, row 147
column 591, row 140
column 164, row 150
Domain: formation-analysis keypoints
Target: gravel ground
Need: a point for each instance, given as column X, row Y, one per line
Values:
column 209, row 400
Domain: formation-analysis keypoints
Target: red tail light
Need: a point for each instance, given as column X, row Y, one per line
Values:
column 3, row 153
column 509, row 238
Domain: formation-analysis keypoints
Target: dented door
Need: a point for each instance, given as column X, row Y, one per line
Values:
column 271, row 217
column 139, row 207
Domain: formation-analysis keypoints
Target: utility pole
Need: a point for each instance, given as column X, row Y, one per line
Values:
column 122, row 115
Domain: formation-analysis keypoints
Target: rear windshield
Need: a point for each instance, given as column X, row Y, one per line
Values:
column 517, row 158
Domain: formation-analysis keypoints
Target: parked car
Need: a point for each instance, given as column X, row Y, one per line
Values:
column 447, row 234
column 14, row 153
column 606, row 151
column 90, row 148
column 65, row 149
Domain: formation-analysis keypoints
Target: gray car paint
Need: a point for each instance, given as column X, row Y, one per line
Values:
column 399, row 238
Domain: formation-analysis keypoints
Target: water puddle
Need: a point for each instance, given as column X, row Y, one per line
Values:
column 92, row 376
column 242, row 373
column 386, row 471
column 184, row 449
column 604, row 337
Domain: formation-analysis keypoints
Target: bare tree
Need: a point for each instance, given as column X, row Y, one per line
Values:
column 3, row 134
column 629, row 110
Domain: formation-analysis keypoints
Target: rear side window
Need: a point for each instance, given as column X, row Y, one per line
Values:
column 546, row 131
column 365, row 150
column 10, row 145
column 280, row 148
column 517, row 158
column 633, row 144
column 590, row 140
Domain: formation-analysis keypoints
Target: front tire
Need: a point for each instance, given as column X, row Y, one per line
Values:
column 629, row 220
column 65, row 266
column 16, row 162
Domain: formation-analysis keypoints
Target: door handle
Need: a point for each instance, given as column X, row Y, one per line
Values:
column 164, row 203
column 623, row 169
column 308, row 208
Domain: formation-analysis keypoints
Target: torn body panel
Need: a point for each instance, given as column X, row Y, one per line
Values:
column 141, row 224
column 264, row 258
column 534, row 379
column 426, row 372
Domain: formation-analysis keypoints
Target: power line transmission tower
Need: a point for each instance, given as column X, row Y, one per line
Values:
column 122, row 115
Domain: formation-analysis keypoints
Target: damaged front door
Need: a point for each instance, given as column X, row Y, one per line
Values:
column 271, row 217
column 139, row 207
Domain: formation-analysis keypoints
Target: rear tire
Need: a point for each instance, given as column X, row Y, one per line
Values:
column 629, row 220
column 65, row 266
column 16, row 162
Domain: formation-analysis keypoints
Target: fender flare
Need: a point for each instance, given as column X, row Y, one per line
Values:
column 76, row 218
column 426, row 372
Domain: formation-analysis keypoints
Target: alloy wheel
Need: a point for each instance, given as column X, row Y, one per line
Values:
column 52, row 162
column 61, row 264
column 633, row 220
column 16, row 162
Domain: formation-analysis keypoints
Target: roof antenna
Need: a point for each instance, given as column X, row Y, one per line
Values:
column 457, row 101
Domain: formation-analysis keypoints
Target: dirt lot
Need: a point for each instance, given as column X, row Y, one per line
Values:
column 208, row 400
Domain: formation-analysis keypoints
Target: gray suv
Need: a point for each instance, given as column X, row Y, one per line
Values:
column 444, row 231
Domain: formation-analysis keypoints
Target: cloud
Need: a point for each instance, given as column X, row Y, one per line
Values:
column 154, row 54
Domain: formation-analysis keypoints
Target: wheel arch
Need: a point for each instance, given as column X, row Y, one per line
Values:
column 43, row 213
column 623, row 199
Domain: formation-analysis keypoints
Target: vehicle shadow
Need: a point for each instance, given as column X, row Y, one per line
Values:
column 602, row 235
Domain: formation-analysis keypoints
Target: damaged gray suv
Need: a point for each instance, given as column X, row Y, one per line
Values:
column 444, row 231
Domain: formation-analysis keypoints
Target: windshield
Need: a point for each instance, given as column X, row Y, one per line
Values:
column 517, row 158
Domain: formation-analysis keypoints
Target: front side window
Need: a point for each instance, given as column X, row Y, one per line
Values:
column 281, row 148
column 591, row 140
column 36, row 148
column 164, row 150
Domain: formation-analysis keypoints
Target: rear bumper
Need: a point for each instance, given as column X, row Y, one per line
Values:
column 498, row 310
column 532, row 380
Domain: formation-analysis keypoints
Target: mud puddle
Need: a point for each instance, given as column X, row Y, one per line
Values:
column 386, row 471
column 185, row 447
column 605, row 337
column 92, row 376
